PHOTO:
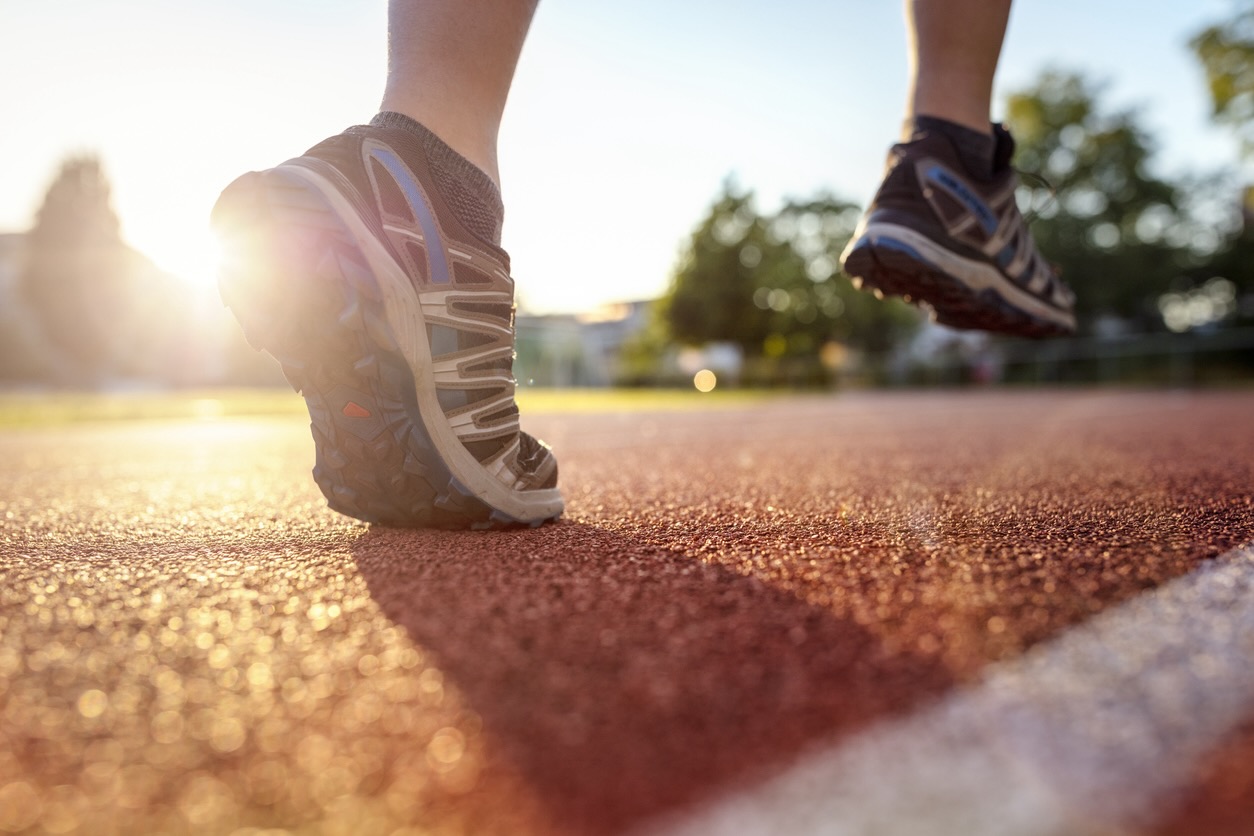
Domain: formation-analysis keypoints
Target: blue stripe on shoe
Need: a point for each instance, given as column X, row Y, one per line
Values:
column 422, row 211
column 960, row 191
column 901, row 247
column 1005, row 256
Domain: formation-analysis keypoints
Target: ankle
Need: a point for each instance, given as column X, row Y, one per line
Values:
column 469, row 190
column 976, row 149
column 471, row 139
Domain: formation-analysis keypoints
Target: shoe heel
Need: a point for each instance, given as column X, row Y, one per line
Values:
column 253, row 280
column 290, row 271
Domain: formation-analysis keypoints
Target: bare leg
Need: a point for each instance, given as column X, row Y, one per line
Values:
column 954, row 47
column 450, row 66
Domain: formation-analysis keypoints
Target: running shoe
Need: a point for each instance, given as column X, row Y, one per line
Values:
column 935, row 235
column 396, row 324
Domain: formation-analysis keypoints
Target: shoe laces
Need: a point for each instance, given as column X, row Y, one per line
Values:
column 1034, row 179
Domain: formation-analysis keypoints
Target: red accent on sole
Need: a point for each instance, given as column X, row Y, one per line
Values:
column 353, row 410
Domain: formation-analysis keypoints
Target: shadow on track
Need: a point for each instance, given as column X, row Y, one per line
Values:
column 619, row 679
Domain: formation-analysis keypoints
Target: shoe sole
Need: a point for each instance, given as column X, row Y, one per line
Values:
column 310, row 285
column 897, row 261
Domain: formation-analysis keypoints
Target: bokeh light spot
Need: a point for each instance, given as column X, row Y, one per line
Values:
column 92, row 704
column 20, row 807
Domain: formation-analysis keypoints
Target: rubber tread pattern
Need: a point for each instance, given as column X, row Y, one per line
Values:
column 896, row 273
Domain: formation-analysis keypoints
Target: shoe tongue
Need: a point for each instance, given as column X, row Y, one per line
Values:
column 1003, row 149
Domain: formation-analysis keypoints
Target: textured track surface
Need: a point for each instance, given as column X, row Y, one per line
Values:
column 302, row 290
column 190, row 642
column 895, row 273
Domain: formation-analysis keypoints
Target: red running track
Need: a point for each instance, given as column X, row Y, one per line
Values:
column 191, row 642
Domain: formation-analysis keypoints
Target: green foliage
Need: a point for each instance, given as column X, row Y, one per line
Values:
column 822, row 299
column 1115, row 230
column 1226, row 51
column 770, row 285
column 729, row 255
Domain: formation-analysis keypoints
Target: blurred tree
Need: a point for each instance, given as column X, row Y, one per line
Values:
column 1226, row 51
column 728, row 256
column 822, row 303
column 1114, row 229
column 77, row 269
column 771, row 286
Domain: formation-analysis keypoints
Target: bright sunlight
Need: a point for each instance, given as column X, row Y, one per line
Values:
column 191, row 253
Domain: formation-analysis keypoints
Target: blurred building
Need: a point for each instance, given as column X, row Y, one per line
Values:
column 576, row 349
column 10, row 264
column 21, row 343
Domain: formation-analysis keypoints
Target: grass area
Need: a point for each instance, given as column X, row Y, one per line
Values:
column 44, row 409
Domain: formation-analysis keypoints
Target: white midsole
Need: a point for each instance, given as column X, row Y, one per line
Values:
column 973, row 274
column 404, row 315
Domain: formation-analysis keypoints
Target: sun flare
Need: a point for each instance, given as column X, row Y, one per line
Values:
column 193, row 255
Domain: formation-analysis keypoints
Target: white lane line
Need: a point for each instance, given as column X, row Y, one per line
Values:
column 1089, row 733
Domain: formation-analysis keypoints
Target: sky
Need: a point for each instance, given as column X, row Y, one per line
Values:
column 624, row 120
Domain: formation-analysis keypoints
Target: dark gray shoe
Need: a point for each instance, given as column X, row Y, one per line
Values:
column 935, row 235
column 396, row 323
